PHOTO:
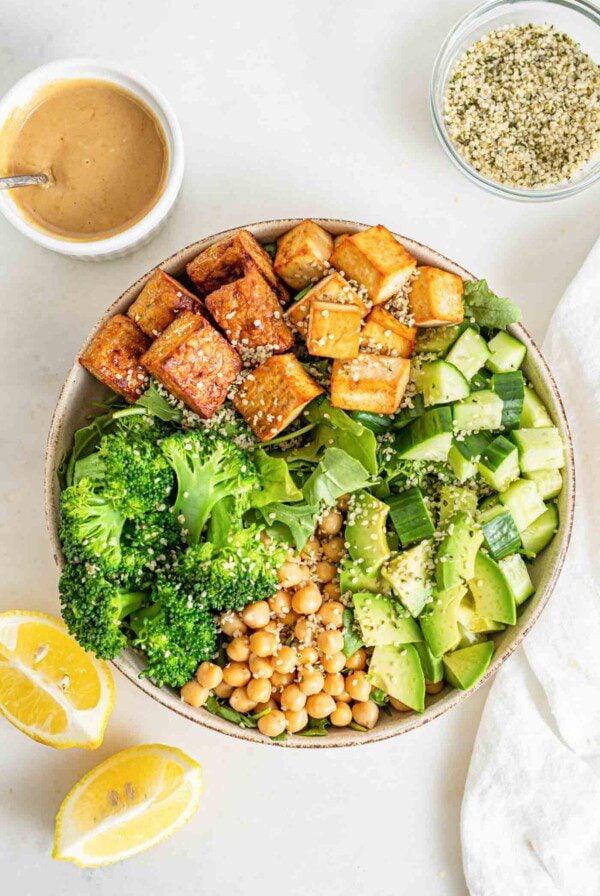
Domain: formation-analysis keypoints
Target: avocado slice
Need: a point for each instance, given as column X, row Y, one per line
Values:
column 463, row 668
column 365, row 530
column 439, row 622
column 383, row 621
column 455, row 498
column 409, row 574
column 356, row 577
column 397, row 671
column 456, row 554
column 433, row 667
column 469, row 617
column 491, row 591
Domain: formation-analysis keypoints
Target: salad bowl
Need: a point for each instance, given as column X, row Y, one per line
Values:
column 80, row 391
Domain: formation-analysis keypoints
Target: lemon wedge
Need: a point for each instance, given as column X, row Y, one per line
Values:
column 50, row 688
column 126, row 804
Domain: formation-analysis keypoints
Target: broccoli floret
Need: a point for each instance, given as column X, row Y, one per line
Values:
column 94, row 608
column 148, row 547
column 176, row 633
column 90, row 526
column 208, row 469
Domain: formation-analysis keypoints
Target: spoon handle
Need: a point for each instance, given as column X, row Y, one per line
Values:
column 23, row 180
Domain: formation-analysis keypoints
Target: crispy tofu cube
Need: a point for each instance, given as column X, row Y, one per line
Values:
column 274, row 394
column 194, row 362
column 369, row 382
column 231, row 259
column 113, row 357
column 338, row 239
column 386, row 335
column 249, row 314
column 302, row 254
column 436, row 298
column 333, row 330
column 330, row 289
column 159, row 302
column 376, row 260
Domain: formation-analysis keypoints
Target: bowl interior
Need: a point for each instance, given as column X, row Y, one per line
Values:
column 80, row 390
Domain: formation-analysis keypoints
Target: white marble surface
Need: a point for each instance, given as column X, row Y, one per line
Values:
column 293, row 108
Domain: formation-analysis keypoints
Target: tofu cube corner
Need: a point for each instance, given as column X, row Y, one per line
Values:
column 273, row 394
column 194, row 362
column 303, row 254
column 376, row 260
column 159, row 303
column 332, row 288
column 370, row 382
column 384, row 334
column 114, row 355
column 435, row 298
column 333, row 330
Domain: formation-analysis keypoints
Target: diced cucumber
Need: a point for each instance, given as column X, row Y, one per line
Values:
column 534, row 413
column 499, row 464
column 455, row 556
column 438, row 621
column 500, row 534
column 453, row 499
column 469, row 353
column 462, row 468
column 481, row 410
column 404, row 417
column 433, row 667
column 397, row 671
column 540, row 448
column 410, row 575
column 427, row 438
column 377, row 423
column 524, row 502
column 491, row 593
column 473, row 445
column 440, row 383
column 437, row 339
column 506, row 353
column 511, row 389
column 463, row 668
column 480, row 381
column 410, row 516
column 383, row 621
column 540, row 532
column 548, row 482
column 517, row 575
column 489, row 509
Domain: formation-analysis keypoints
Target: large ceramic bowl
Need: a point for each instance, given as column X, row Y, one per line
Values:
column 80, row 390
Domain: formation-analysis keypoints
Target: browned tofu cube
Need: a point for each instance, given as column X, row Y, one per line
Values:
column 274, row 394
column 333, row 330
column 330, row 289
column 231, row 259
column 338, row 239
column 384, row 334
column 113, row 357
column 376, row 260
column 302, row 254
column 436, row 298
column 249, row 314
column 159, row 302
column 194, row 362
column 370, row 382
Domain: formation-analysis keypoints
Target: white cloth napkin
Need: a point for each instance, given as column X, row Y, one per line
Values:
column 530, row 821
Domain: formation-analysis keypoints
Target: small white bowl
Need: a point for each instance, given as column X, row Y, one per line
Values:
column 122, row 243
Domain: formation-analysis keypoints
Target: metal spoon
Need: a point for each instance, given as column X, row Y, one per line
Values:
column 23, row 180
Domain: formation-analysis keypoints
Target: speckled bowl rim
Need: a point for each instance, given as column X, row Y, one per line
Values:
column 78, row 385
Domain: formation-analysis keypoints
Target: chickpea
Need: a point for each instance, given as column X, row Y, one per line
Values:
column 259, row 690
column 238, row 649
column 357, row 661
column 209, row 675
column 240, row 701
column 334, row 549
column 331, row 522
column 344, row 697
column 290, row 619
column 273, row 724
column 232, row 625
column 292, row 698
column 260, row 668
column 282, row 679
column 256, row 615
column 432, row 688
column 344, row 502
column 358, row 686
column 334, row 663
column 263, row 643
column 295, row 720
column 224, row 691
column 341, row 715
column 330, row 642
column 308, row 656
column 194, row 694
column 319, row 706
column 399, row 705
column 285, row 660
column 312, row 549
column 324, row 571
column 280, row 603
column 290, row 575
column 365, row 713
column 312, row 683
column 331, row 614
column 334, row 684
column 236, row 674
column 303, row 630
column 307, row 600
column 269, row 704
column 332, row 590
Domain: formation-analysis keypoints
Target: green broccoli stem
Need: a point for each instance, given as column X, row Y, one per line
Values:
column 131, row 601
column 196, row 495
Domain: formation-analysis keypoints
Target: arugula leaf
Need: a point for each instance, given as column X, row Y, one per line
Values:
column 378, row 696
column 231, row 715
column 336, row 474
column 302, row 293
column 377, row 423
column 352, row 640
column 270, row 248
column 276, row 484
column 291, row 523
column 337, row 429
column 315, row 728
column 158, row 405
column 488, row 309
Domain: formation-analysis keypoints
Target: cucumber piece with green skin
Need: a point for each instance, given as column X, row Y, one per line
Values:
column 470, row 619
column 397, row 672
column 377, row 423
column 410, row 575
column 427, row 438
column 440, row 383
column 469, row 353
column 500, row 535
column 524, row 502
column 499, row 464
column 454, row 498
column 510, row 387
column 506, row 353
column 407, row 414
column 480, row 381
column 540, row 448
column 383, row 621
column 439, row 622
column 481, row 410
column 462, row 468
column 463, row 668
column 456, row 554
column 365, row 534
column 410, row 516
column 356, row 577
column 540, row 532
column 548, row 482
column 517, row 575
column 491, row 592
column 489, row 508
column 534, row 413
column 433, row 667
column 437, row 339
column 472, row 445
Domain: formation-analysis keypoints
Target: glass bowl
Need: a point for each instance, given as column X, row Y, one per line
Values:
column 577, row 18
